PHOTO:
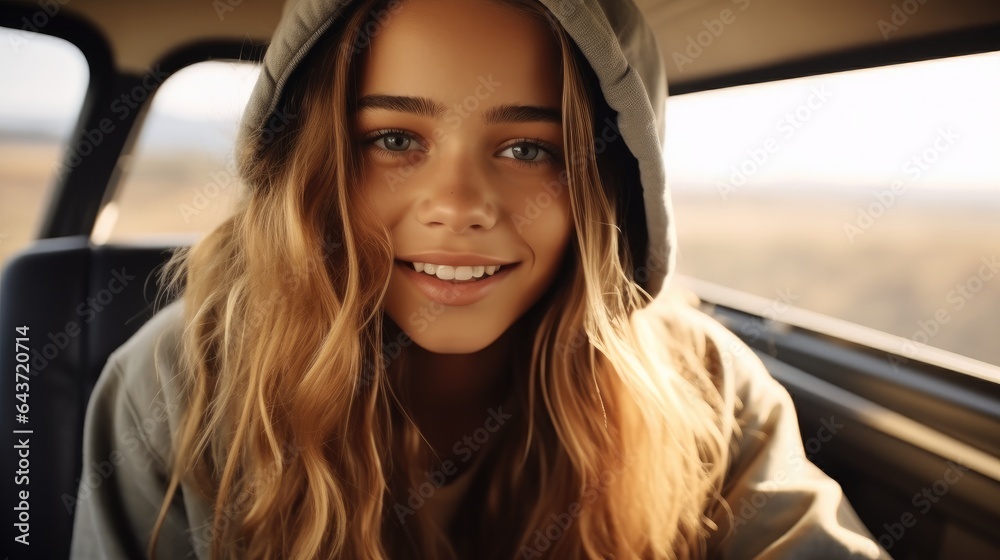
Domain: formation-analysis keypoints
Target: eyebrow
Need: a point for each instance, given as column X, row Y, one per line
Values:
column 425, row 107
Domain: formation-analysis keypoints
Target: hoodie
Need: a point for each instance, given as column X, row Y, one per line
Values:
column 783, row 505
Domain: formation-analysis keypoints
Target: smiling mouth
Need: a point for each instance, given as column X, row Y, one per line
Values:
column 457, row 274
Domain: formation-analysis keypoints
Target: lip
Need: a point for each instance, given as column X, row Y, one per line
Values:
column 453, row 259
column 449, row 293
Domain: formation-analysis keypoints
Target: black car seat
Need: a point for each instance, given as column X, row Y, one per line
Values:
column 80, row 302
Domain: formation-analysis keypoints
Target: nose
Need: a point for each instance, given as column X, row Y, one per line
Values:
column 457, row 197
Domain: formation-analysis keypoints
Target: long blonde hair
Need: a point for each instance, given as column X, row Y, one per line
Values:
column 295, row 427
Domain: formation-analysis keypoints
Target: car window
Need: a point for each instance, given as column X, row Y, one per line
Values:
column 870, row 196
column 180, row 176
column 44, row 83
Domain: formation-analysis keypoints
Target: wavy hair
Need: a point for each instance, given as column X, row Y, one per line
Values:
column 296, row 428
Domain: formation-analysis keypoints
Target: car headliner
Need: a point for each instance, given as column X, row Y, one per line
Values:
column 762, row 33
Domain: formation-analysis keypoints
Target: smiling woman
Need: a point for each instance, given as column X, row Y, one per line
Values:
column 448, row 333
column 465, row 175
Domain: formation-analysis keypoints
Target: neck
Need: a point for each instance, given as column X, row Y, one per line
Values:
column 460, row 382
column 451, row 395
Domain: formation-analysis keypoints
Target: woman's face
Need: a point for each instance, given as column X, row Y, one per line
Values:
column 459, row 121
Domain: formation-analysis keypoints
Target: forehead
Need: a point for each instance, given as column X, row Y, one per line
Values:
column 445, row 49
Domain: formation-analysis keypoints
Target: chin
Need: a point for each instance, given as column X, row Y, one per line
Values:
column 453, row 345
column 460, row 339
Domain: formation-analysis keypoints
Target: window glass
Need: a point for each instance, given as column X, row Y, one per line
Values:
column 871, row 196
column 44, row 83
column 180, row 177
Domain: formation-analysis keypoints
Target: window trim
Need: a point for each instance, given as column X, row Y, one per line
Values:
column 948, row 392
column 841, row 329
column 942, row 45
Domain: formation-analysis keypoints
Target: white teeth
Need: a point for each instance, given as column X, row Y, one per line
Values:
column 447, row 272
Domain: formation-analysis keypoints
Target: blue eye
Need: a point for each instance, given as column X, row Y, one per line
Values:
column 526, row 151
column 530, row 152
column 393, row 141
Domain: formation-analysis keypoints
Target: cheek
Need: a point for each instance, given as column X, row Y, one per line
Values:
column 558, row 231
column 382, row 203
column 549, row 234
column 560, row 227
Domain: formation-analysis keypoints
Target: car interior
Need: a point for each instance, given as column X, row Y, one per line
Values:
column 913, row 441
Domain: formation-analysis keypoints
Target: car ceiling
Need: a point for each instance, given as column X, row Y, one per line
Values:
column 762, row 33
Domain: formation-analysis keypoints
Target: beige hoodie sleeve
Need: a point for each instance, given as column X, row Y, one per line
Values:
column 783, row 506
column 126, row 443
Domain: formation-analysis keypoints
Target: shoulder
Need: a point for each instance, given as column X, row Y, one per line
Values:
column 144, row 374
column 157, row 339
column 678, row 325
column 758, row 415
column 758, row 410
column 780, row 505
column 132, row 412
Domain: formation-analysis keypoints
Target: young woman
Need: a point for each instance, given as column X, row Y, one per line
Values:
column 439, row 325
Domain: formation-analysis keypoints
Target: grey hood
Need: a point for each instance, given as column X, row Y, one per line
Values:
column 616, row 40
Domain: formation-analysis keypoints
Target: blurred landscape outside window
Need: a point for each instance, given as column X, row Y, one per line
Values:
column 39, row 106
column 871, row 196
column 181, row 175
